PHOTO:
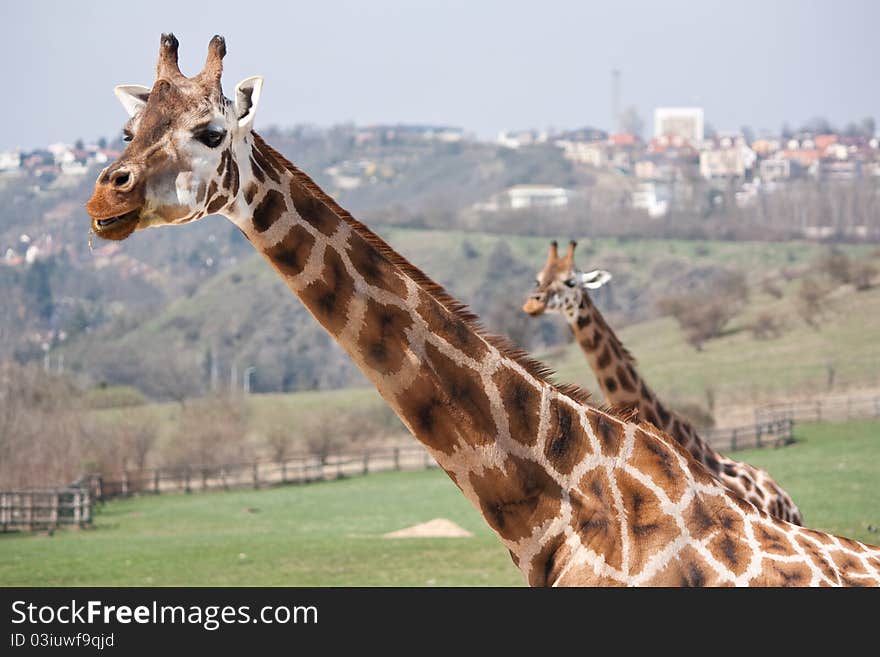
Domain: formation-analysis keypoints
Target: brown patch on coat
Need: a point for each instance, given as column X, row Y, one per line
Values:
column 649, row 528
column 329, row 296
column 268, row 210
column 609, row 433
column 382, row 339
column 290, row 255
column 658, row 462
column 518, row 498
column 522, row 405
column 375, row 268
column 567, row 443
column 450, row 327
column 593, row 517
column 313, row 210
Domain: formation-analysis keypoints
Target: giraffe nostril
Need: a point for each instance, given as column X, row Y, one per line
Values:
column 120, row 178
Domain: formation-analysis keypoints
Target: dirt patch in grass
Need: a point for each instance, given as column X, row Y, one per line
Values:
column 436, row 528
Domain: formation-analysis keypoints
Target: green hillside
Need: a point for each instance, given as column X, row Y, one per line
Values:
column 245, row 316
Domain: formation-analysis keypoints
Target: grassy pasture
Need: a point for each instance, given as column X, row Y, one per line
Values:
column 328, row 534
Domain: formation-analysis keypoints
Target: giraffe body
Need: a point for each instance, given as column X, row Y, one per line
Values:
column 579, row 496
column 561, row 288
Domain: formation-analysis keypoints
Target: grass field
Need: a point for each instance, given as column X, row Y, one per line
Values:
column 329, row 534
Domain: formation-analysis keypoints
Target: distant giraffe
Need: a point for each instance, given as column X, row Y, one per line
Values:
column 579, row 496
column 563, row 289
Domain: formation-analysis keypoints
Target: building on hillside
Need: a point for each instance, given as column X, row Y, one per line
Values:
column 592, row 153
column 10, row 161
column 653, row 197
column 519, row 138
column 727, row 157
column 527, row 197
column 684, row 122
column 407, row 133
column 831, row 169
column 775, row 169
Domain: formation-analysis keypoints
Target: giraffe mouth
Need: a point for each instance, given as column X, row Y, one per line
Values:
column 118, row 227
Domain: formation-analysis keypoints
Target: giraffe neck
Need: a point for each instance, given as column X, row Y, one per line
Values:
column 621, row 383
column 624, row 388
column 576, row 494
column 485, row 413
column 614, row 367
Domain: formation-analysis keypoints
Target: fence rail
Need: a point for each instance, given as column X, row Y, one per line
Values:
column 822, row 409
column 299, row 469
column 29, row 510
column 776, row 433
column 47, row 509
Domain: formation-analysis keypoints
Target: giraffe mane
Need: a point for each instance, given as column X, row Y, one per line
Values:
column 461, row 310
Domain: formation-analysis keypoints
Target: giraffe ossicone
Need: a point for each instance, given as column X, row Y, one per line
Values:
column 561, row 288
column 578, row 496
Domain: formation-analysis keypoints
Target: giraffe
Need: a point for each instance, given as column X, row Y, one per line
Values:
column 578, row 496
column 563, row 289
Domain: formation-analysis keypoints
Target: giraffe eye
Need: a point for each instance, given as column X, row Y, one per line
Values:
column 211, row 138
column 127, row 135
column 570, row 282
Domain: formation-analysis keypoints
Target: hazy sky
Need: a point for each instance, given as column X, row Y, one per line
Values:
column 482, row 65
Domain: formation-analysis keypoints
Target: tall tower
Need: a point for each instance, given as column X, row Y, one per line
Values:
column 615, row 100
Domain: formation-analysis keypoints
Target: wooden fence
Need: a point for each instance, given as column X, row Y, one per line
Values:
column 308, row 468
column 47, row 509
column 30, row 510
column 299, row 469
column 775, row 433
column 823, row 409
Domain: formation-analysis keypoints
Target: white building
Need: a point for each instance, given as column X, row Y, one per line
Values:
column 727, row 157
column 592, row 153
column 538, row 196
column 520, row 138
column 10, row 160
column 652, row 197
column 684, row 122
column 525, row 197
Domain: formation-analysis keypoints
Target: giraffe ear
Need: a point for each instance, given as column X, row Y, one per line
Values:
column 593, row 280
column 247, row 97
column 132, row 96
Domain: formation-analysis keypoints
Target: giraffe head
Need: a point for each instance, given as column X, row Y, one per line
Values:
column 183, row 135
column 559, row 287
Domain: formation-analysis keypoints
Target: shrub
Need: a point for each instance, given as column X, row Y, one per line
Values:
column 766, row 326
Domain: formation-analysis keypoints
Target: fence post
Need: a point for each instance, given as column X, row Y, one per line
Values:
column 125, row 483
column 283, row 471
column 339, row 473
column 186, row 486
column 256, row 475
column 204, row 472
column 818, row 410
column 427, row 460
column 156, row 481
column 366, row 462
column 758, row 430
column 53, row 513
column 733, row 441
column 77, row 512
column 397, row 458
column 87, row 507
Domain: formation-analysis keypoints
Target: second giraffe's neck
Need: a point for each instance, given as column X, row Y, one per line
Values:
column 614, row 367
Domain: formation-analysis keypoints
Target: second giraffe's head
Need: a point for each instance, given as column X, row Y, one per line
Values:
column 559, row 287
column 184, row 141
